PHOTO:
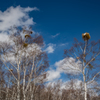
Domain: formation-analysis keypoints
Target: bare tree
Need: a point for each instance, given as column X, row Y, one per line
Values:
column 24, row 59
column 86, row 55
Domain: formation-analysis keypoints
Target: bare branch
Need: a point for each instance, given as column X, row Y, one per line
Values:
column 93, row 78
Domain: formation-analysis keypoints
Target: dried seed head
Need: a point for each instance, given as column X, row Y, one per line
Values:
column 84, row 61
column 93, row 59
column 84, row 55
column 27, row 35
column 11, row 69
column 86, row 36
column 31, row 32
column 77, row 57
column 90, row 66
column 25, row 45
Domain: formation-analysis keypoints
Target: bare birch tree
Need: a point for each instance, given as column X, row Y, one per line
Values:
column 23, row 57
column 86, row 55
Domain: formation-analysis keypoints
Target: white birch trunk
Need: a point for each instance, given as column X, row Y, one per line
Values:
column 31, row 91
column 18, row 90
column 84, row 76
column 18, row 83
column 14, row 94
column 24, row 93
column 85, row 88
column 7, row 89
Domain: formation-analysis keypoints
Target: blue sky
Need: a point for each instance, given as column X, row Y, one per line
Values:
column 60, row 21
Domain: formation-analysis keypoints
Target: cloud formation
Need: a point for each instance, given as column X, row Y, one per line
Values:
column 15, row 16
column 63, row 44
column 53, row 36
column 69, row 66
column 53, row 74
column 4, row 36
column 50, row 48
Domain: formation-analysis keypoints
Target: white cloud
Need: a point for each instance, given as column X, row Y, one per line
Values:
column 50, row 48
column 4, row 37
column 69, row 65
column 33, row 48
column 15, row 16
column 30, row 9
column 66, row 64
column 53, row 74
column 63, row 44
column 53, row 36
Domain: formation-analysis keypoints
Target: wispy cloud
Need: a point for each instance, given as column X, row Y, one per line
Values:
column 63, row 44
column 53, row 36
column 50, row 48
column 31, row 9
